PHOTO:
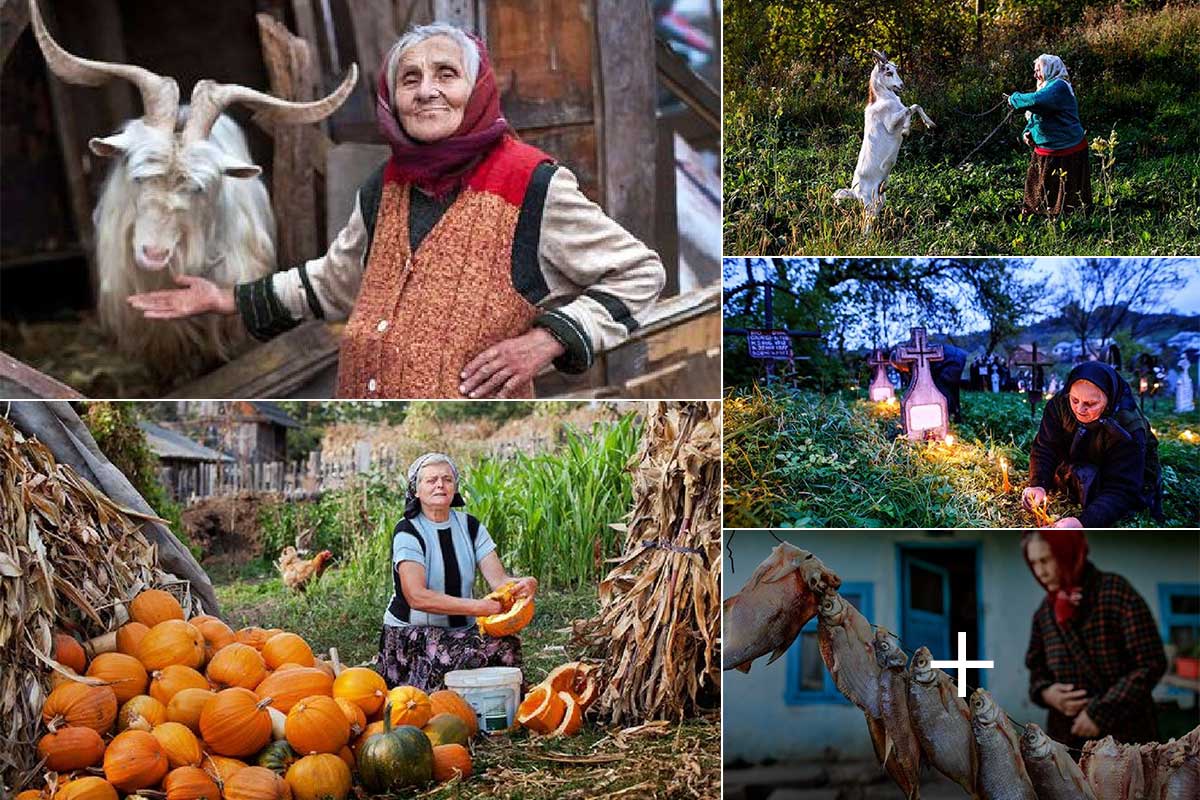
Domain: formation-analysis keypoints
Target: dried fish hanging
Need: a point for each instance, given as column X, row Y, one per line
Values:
column 660, row 607
column 69, row 557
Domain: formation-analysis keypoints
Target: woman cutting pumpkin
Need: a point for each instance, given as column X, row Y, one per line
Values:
column 429, row 626
column 471, row 260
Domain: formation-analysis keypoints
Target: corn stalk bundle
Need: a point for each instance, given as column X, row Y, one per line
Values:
column 69, row 558
column 660, row 607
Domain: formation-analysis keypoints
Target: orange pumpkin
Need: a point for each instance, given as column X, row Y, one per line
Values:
column 32, row 794
column 221, row 768
column 179, row 743
column 450, row 760
column 288, row 687
column 447, row 701
column 216, row 633
column 410, row 706
column 319, row 777
column 371, row 730
column 347, row 755
column 190, row 783
column 186, row 705
column 170, row 681
column 362, row 686
column 134, row 760
column 73, row 703
column 125, row 674
column 236, row 723
column 316, row 725
column 71, row 748
column 141, row 713
column 129, row 636
column 236, row 665
column 69, row 652
column 171, row 642
column 254, row 636
column 89, row 788
column 542, row 710
column 572, row 718
column 515, row 614
column 256, row 783
column 354, row 715
column 283, row 648
column 196, row 620
column 324, row 666
column 154, row 606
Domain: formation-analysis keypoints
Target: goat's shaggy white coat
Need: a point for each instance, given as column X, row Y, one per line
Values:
column 204, row 204
column 887, row 122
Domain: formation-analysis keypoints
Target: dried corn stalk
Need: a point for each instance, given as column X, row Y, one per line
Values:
column 660, row 607
column 68, row 558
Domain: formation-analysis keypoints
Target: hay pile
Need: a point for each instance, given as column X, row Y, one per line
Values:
column 660, row 607
column 69, row 557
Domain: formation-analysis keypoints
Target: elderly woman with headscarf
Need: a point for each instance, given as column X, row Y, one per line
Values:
column 428, row 628
column 1095, row 446
column 471, row 260
column 1059, row 179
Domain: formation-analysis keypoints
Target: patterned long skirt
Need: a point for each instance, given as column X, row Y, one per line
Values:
column 421, row 655
column 1056, row 185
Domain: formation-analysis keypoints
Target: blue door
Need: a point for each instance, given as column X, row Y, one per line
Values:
column 925, row 609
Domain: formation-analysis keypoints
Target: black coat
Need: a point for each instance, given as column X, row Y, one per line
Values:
column 1120, row 446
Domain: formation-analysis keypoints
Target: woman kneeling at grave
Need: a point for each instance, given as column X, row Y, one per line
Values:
column 471, row 259
column 429, row 625
column 1095, row 446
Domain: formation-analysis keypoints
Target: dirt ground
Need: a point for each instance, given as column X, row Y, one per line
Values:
column 827, row 781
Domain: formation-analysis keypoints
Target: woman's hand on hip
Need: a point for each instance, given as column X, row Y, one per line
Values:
column 526, row 587
column 199, row 296
column 502, row 369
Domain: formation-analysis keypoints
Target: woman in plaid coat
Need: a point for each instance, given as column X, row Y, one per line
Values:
column 1094, row 652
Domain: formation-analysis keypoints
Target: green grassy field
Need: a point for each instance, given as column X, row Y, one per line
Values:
column 678, row 760
column 793, row 130
column 800, row 459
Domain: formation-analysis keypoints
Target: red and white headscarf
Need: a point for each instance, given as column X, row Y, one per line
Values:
column 1069, row 549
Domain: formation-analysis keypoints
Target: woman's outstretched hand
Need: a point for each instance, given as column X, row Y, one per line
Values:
column 526, row 587
column 1033, row 496
column 199, row 296
column 488, row 607
column 502, row 369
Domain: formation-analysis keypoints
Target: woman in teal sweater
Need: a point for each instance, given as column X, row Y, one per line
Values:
column 1059, row 179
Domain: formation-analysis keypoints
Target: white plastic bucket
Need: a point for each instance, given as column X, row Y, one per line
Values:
column 494, row 693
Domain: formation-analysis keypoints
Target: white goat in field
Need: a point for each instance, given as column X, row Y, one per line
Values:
column 888, row 121
column 167, row 209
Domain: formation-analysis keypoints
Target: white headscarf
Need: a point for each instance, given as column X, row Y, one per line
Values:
column 1053, row 68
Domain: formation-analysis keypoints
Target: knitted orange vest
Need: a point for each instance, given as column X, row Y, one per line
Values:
column 421, row 316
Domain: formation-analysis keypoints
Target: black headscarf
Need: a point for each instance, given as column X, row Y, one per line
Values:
column 1116, row 389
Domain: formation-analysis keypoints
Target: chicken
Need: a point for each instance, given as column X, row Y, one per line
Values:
column 296, row 571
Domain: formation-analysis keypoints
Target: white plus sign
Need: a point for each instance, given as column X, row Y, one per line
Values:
column 962, row 664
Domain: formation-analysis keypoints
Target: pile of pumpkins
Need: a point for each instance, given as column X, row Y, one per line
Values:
column 555, row 707
column 194, row 710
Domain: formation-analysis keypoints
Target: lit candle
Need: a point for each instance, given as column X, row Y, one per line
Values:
column 949, row 439
column 1007, row 487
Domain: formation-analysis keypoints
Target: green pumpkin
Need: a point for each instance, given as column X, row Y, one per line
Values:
column 447, row 729
column 398, row 758
column 277, row 757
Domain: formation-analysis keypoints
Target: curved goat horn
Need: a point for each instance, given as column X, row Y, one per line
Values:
column 210, row 98
column 160, row 96
column 880, row 56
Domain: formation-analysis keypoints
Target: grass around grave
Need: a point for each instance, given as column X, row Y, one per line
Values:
column 800, row 459
column 668, row 761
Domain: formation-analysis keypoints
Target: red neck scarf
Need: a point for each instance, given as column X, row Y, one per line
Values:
column 441, row 167
column 1070, row 550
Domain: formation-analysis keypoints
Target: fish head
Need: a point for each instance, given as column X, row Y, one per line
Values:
column 921, row 667
column 1035, row 743
column 888, row 652
column 817, row 577
column 832, row 609
column 984, row 710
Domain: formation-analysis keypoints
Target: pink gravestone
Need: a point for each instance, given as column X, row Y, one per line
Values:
column 881, row 388
column 923, row 407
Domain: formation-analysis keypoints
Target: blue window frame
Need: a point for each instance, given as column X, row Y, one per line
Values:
column 808, row 681
column 1179, row 612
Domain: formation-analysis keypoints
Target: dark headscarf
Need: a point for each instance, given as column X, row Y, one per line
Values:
column 441, row 167
column 1069, row 549
column 1116, row 390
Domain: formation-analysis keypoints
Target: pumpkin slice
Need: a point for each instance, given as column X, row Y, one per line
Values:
column 577, row 678
column 572, row 716
column 542, row 710
column 515, row 613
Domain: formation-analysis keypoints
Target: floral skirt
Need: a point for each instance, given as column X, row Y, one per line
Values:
column 421, row 655
column 1055, row 185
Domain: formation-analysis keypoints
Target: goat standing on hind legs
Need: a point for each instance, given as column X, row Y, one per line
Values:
column 888, row 121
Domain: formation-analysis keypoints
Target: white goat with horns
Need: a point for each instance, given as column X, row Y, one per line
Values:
column 167, row 211
column 888, row 121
